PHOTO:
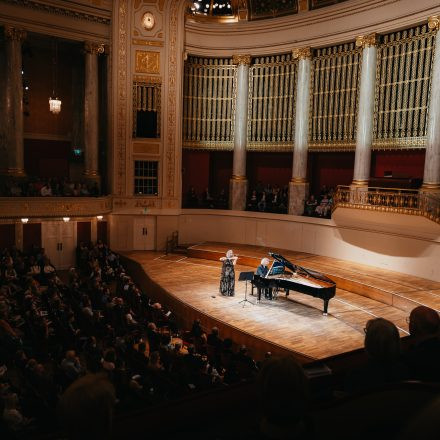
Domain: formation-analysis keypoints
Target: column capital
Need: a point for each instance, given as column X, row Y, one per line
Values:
column 12, row 33
column 244, row 60
column 370, row 40
column 94, row 47
column 302, row 53
column 434, row 22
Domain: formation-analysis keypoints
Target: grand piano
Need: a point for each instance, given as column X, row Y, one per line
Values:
column 285, row 275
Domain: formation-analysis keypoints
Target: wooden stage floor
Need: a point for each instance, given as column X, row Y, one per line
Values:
column 293, row 323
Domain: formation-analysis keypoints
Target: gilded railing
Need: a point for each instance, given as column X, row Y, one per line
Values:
column 402, row 201
column 45, row 207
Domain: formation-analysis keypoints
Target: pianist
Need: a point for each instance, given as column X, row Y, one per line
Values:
column 262, row 271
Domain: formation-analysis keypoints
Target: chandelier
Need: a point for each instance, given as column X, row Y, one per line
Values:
column 54, row 101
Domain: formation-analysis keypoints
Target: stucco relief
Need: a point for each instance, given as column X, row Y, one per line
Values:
column 121, row 121
column 147, row 61
column 172, row 103
column 72, row 207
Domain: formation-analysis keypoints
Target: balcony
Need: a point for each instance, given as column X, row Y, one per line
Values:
column 399, row 201
column 52, row 207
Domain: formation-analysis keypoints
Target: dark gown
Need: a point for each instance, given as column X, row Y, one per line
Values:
column 227, row 280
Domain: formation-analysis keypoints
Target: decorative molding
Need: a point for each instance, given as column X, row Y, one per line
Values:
column 57, row 10
column 359, row 182
column 121, row 113
column 147, row 79
column 131, row 205
column 434, row 22
column 318, row 28
column 49, row 207
column 146, row 148
column 13, row 172
column 302, row 53
column 238, row 178
column 170, row 151
column 94, row 48
column 138, row 42
column 241, row 60
column 12, row 33
column 370, row 40
column 147, row 62
column 431, row 187
column 298, row 180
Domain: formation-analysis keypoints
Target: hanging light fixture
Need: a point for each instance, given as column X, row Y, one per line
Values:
column 54, row 102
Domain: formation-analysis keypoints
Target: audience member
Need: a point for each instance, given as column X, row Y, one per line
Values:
column 384, row 364
column 86, row 408
column 284, row 398
column 423, row 356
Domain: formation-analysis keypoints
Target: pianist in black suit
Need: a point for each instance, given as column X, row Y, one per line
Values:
column 262, row 270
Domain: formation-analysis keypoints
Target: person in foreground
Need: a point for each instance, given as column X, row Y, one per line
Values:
column 285, row 399
column 384, row 364
column 227, row 279
column 86, row 408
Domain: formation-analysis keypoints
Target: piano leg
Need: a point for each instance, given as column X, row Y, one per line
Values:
column 325, row 307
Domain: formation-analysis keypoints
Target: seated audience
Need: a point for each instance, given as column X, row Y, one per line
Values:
column 311, row 205
column 53, row 187
column 423, row 356
column 384, row 363
column 283, row 384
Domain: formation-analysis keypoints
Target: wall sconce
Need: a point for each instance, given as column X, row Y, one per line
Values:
column 24, row 220
column 99, row 217
column 66, row 219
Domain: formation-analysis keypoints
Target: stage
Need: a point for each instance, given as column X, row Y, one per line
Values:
column 188, row 284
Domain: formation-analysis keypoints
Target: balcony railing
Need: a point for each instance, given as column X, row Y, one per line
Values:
column 402, row 201
column 51, row 207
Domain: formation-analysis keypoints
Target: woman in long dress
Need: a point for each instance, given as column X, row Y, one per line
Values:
column 227, row 280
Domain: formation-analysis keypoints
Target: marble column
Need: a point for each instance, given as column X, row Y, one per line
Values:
column 91, row 110
column 13, row 117
column 298, row 186
column 364, row 133
column 431, row 175
column 238, row 183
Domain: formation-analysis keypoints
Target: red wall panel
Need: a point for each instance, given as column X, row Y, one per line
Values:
column 195, row 170
column 83, row 232
column 46, row 158
column 269, row 168
column 220, row 171
column 330, row 169
column 31, row 235
column 400, row 163
column 7, row 235
column 102, row 231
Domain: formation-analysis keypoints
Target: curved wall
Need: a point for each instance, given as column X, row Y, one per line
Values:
column 403, row 243
column 318, row 28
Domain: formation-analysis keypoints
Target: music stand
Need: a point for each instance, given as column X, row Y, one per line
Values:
column 245, row 276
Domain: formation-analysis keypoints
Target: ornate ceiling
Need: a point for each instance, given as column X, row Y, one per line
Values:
column 235, row 10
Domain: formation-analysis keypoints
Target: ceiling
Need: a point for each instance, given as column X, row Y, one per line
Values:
column 235, row 10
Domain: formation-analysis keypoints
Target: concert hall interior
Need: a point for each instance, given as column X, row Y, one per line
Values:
column 219, row 218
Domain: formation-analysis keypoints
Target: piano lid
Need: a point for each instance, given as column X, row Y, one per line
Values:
column 284, row 261
column 299, row 269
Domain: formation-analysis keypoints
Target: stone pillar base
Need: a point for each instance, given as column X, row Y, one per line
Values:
column 430, row 188
column 357, row 193
column 298, row 194
column 92, row 175
column 238, row 194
